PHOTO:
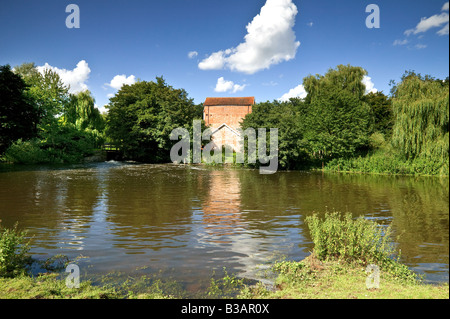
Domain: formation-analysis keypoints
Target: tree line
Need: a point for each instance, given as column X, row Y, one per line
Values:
column 337, row 126
column 341, row 128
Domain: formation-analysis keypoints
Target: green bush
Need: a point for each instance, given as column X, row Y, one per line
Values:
column 63, row 144
column 359, row 240
column 26, row 152
column 14, row 249
column 381, row 162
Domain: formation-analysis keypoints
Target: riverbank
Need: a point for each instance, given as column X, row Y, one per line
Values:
column 383, row 163
column 313, row 279
column 351, row 259
column 308, row 279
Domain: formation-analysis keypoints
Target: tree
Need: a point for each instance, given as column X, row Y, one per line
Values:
column 337, row 120
column 142, row 116
column 46, row 90
column 81, row 112
column 285, row 117
column 381, row 107
column 18, row 117
column 421, row 113
column 344, row 77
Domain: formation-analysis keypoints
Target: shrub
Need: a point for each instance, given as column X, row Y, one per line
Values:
column 381, row 162
column 26, row 152
column 360, row 241
column 14, row 249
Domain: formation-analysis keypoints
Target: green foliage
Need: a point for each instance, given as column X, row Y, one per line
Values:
column 420, row 141
column 66, row 127
column 338, row 121
column 384, row 162
column 421, row 111
column 46, row 91
column 342, row 237
column 381, row 112
column 60, row 144
column 358, row 241
column 333, row 121
column 227, row 286
column 18, row 116
column 142, row 116
column 338, row 124
column 286, row 117
column 345, row 77
column 14, row 248
column 26, row 152
column 81, row 112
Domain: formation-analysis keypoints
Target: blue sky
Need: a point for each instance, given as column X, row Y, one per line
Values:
column 261, row 48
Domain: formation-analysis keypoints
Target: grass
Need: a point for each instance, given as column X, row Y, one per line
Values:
column 50, row 286
column 388, row 163
column 314, row 279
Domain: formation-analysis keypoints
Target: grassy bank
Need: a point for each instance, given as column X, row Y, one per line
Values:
column 53, row 286
column 314, row 279
column 307, row 279
column 341, row 266
column 382, row 162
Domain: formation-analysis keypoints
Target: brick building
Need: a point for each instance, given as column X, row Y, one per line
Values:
column 223, row 115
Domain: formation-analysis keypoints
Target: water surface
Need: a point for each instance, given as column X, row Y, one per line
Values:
column 192, row 220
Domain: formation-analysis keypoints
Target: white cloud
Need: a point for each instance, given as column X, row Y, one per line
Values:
column 444, row 30
column 75, row 78
column 435, row 21
column 102, row 109
column 119, row 80
column 270, row 40
column 215, row 61
column 420, row 46
column 192, row 54
column 370, row 86
column 310, row 24
column 298, row 91
column 400, row 42
column 271, row 83
column 228, row 86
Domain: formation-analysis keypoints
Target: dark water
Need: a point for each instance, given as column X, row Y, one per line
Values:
column 191, row 221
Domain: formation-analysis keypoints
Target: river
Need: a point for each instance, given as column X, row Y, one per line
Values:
column 190, row 221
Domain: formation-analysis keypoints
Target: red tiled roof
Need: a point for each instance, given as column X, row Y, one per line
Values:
column 214, row 101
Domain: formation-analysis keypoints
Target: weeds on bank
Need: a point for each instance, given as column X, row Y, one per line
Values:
column 14, row 247
column 357, row 241
column 228, row 286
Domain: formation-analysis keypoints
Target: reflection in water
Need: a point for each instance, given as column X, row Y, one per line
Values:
column 194, row 219
column 222, row 207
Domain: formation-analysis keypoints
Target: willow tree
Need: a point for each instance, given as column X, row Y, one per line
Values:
column 421, row 113
column 82, row 112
